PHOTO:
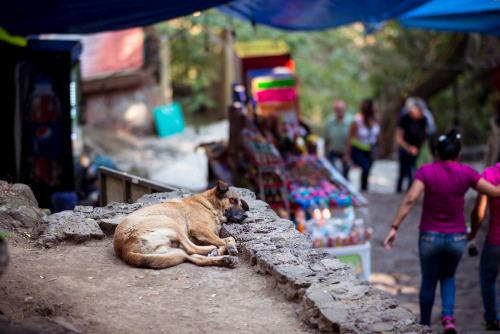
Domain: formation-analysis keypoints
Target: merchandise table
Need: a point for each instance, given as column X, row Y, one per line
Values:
column 356, row 256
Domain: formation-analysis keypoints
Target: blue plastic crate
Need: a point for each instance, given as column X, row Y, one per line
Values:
column 168, row 119
column 64, row 200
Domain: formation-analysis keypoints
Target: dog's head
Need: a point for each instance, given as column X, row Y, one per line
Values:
column 233, row 207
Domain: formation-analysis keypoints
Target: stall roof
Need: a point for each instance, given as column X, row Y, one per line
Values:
column 481, row 16
column 30, row 17
column 318, row 14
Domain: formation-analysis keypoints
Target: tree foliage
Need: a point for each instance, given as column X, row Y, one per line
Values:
column 195, row 48
column 346, row 64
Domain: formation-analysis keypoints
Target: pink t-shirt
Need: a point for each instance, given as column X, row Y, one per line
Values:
column 445, row 183
column 492, row 175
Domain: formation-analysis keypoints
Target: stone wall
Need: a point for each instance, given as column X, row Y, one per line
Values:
column 329, row 295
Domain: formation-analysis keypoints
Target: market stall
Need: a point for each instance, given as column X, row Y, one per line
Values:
column 272, row 151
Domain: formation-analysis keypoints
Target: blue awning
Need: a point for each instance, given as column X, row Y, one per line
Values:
column 319, row 14
column 479, row 16
column 29, row 17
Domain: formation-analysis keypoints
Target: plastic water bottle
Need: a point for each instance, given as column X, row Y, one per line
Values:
column 300, row 218
column 358, row 231
column 349, row 217
column 472, row 248
column 45, row 133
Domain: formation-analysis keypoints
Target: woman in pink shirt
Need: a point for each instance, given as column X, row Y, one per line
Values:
column 442, row 236
column 490, row 255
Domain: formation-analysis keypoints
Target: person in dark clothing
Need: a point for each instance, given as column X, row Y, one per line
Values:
column 411, row 132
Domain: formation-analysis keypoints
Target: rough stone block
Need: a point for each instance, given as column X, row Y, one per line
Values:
column 67, row 226
column 83, row 209
column 76, row 230
column 109, row 225
column 18, row 206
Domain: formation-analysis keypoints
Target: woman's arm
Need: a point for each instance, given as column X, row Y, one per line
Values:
column 380, row 145
column 477, row 215
column 400, row 132
column 352, row 130
column 416, row 189
column 487, row 188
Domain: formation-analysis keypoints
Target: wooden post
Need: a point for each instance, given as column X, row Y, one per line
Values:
column 456, row 104
column 165, row 80
column 227, row 69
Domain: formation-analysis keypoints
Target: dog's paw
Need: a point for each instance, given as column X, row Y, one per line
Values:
column 215, row 252
column 231, row 249
column 230, row 261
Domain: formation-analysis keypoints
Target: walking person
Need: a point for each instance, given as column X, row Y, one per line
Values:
column 335, row 134
column 411, row 132
column 490, row 255
column 363, row 143
column 426, row 153
column 431, row 125
column 442, row 235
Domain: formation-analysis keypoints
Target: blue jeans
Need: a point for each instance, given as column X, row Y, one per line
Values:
column 363, row 160
column 335, row 157
column 440, row 254
column 488, row 273
column 407, row 168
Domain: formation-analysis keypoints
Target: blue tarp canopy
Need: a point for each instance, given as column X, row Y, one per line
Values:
column 318, row 14
column 27, row 17
column 481, row 16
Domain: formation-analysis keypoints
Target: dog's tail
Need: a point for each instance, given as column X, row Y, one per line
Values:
column 176, row 256
column 155, row 261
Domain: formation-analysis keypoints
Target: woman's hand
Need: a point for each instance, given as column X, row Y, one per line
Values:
column 411, row 197
column 390, row 239
column 346, row 158
column 413, row 150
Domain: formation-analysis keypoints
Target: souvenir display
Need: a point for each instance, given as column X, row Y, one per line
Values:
column 263, row 166
column 327, row 231
column 262, row 152
column 278, row 157
column 311, row 184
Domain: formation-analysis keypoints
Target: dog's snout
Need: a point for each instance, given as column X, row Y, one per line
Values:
column 236, row 215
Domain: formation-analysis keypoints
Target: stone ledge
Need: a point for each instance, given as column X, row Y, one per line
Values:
column 329, row 295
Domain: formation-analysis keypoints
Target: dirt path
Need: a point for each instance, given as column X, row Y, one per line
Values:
column 88, row 287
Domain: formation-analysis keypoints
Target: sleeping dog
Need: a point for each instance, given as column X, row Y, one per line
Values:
column 166, row 234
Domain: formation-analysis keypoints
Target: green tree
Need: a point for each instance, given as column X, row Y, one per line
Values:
column 195, row 48
column 448, row 70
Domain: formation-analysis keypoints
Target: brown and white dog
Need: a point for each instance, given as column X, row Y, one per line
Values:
column 166, row 234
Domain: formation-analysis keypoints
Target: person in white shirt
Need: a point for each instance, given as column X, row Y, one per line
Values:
column 364, row 143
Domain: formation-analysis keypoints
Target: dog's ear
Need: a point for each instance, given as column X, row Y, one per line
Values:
column 221, row 188
column 244, row 205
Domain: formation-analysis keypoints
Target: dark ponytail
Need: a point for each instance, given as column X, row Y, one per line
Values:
column 368, row 111
column 448, row 145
